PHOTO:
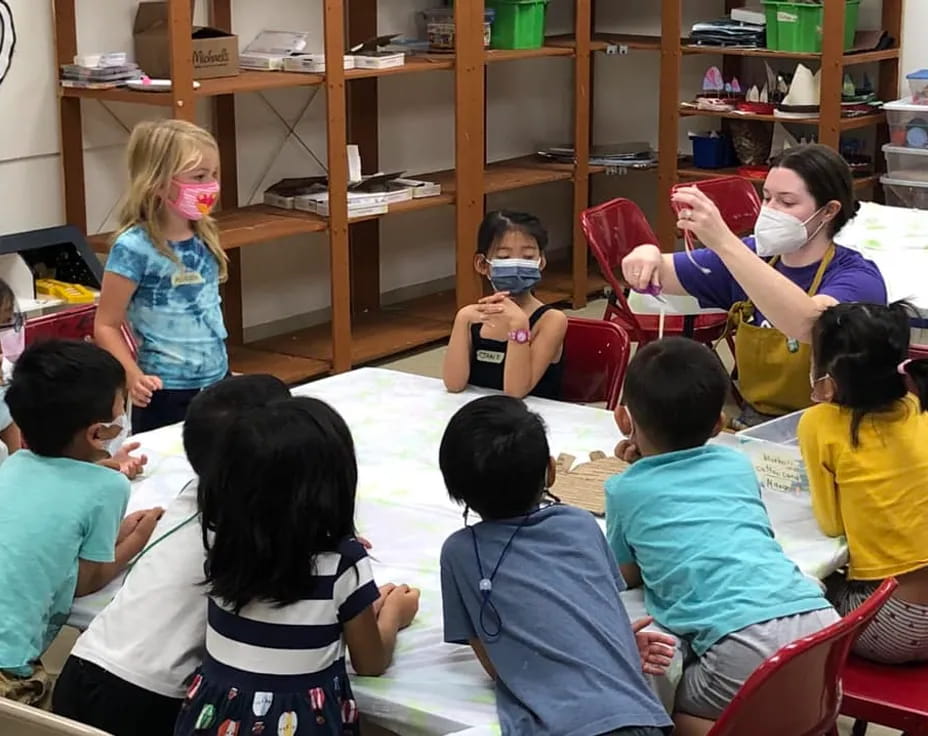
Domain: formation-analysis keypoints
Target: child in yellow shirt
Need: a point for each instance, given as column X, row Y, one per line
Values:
column 865, row 447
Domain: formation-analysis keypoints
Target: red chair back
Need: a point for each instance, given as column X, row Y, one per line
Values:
column 70, row 324
column 596, row 355
column 918, row 352
column 798, row 690
column 736, row 199
column 613, row 230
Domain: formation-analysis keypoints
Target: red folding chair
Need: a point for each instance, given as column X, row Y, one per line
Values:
column 918, row 352
column 798, row 690
column 736, row 199
column 614, row 230
column 895, row 696
column 595, row 358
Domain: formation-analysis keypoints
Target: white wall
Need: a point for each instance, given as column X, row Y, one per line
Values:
column 416, row 133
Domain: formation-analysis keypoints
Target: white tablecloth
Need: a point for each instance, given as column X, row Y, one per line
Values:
column 397, row 421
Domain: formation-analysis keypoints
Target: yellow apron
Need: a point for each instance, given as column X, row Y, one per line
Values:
column 773, row 370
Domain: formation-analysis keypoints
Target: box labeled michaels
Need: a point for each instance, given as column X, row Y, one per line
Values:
column 215, row 52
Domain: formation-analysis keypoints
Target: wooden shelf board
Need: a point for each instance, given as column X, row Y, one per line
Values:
column 850, row 123
column 288, row 368
column 120, row 94
column 252, row 81
column 375, row 334
column 563, row 47
column 634, row 42
column 412, row 205
column 246, row 226
column 687, row 171
column 413, row 65
column 863, row 57
column 557, row 284
column 526, row 171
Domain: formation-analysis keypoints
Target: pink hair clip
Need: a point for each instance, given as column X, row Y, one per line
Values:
column 902, row 367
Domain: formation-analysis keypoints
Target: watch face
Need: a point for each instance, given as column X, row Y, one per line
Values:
column 520, row 336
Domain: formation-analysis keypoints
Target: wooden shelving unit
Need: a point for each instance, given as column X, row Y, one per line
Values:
column 361, row 329
column 830, row 124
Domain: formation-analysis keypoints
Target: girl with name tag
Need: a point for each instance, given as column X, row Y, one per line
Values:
column 163, row 273
column 509, row 341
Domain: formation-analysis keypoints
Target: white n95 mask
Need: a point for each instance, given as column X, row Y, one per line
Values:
column 777, row 233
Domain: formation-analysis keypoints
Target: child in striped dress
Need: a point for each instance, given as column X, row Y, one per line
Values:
column 289, row 584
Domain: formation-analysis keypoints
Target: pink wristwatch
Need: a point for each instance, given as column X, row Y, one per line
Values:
column 519, row 337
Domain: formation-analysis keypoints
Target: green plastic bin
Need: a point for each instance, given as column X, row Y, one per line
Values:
column 519, row 24
column 795, row 26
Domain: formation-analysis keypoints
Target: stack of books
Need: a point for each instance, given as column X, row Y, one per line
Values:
column 100, row 71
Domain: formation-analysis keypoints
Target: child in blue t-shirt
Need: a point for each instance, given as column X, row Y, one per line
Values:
column 687, row 521
column 164, row 271
column 61, row 512
column 534, row 589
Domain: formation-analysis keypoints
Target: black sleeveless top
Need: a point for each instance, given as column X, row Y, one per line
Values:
column 487, row 360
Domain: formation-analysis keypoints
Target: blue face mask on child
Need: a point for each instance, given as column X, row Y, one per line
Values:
column 515, row 275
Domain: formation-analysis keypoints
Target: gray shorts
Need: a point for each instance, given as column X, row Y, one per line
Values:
column 710, row 682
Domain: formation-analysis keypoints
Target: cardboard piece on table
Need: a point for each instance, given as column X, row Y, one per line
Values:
column 215, row 52
column 583, row 486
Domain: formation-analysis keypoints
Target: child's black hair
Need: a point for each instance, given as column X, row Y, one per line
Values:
column 861, row 346
column 494, row 457
column 214, row 407
column 496, row 224
column 59, row 388
column 675, row 390
column 281, row 492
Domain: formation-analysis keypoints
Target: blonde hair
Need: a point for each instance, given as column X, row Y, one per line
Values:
column 158, row 152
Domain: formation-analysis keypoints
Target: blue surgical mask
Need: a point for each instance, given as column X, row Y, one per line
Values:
column 515, row 275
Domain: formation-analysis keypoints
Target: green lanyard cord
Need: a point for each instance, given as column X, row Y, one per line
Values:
column 164, row 536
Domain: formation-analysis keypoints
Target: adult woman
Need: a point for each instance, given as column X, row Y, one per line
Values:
column 776, row 283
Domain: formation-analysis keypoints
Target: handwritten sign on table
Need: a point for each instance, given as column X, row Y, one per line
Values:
column 780, row 469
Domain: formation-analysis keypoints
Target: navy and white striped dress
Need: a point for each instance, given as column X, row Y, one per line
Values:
column 280, row 670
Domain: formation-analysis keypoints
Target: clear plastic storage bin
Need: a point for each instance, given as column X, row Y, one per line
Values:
column 773, row 449
column 908, row 123
column 905, row 193
column 905, row 163
column 918, row 84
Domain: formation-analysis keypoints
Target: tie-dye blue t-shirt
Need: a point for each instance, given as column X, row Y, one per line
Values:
column 175, row 311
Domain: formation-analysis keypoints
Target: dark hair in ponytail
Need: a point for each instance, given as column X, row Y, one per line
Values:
column 862, row 347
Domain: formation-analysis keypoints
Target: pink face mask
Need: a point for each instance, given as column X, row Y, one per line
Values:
column 195, row 200
column 12, row 342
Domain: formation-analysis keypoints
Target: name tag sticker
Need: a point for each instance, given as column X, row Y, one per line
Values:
column 490, row 356
column 186, row 278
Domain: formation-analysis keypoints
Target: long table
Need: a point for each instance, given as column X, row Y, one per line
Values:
column 397, row 421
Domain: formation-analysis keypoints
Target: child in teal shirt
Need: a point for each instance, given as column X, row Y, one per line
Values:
column 687, row 521
column 61, row 512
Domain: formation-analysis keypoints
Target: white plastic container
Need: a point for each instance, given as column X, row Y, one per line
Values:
column 905, row 163
column 908, row 123
column 905, row 193
column 440, row 28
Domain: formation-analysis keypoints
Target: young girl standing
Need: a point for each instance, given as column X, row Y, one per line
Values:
column 509, row 341
column 164, row 271
column 12, row 343
column 289, row 583
column 866, row 454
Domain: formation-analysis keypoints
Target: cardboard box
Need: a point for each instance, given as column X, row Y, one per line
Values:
column 215, row 52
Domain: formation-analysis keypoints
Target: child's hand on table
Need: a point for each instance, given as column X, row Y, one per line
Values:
column 141, row 523
column 655, row 649
column 628, row 451
column 126, row 463
column 142, row 388
column 398, row 601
